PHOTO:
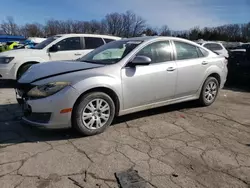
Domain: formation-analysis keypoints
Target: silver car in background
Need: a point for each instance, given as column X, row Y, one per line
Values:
column 119, row 78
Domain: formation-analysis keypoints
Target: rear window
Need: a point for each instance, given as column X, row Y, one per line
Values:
column 93, row 42
column 213, row 46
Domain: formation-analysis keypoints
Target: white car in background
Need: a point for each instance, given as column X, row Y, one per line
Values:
column 56, row 48
column 215, row 47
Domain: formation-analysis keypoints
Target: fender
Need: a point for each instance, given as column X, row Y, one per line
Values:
column 211, row 70
column 100, row 81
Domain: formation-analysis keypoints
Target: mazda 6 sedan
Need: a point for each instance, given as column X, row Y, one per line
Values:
column 119, row 78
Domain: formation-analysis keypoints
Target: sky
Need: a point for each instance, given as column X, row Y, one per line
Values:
column 177, row 14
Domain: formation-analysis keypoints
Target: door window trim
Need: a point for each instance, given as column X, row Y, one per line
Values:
column 84, row 42
column 65, row 39
column 140, row 48
column 175, row 52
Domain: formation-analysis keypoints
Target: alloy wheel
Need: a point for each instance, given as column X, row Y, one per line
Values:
column 210, row 91
column 95, row 114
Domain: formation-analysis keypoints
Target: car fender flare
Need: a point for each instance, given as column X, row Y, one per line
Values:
column 211, row 70
column 107, row 82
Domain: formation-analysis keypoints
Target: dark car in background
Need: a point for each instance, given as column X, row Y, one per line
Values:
column 239, row 65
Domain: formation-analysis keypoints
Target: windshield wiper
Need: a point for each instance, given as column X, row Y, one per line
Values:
column 96, row 62
column 87, row 61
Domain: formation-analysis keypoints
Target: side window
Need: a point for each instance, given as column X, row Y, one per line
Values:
column 108, row 40
column 213, row 46
column 93, row 42
column 202, row 52
column 158, row 51
column 72, row 43
column 185, row 51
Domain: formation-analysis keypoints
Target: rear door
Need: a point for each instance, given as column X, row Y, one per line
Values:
column 91, row 43
column 191, row 64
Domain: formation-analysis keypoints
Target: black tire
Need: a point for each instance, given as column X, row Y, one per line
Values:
column 77, row 121
column 203, row 100
column 23, row 69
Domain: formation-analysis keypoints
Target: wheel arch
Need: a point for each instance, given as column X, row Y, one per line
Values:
column 105, row 90
column 23, row 64
column 210, row 74
column 215, row 75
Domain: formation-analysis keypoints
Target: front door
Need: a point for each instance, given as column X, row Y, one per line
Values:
column 68, row 49
column 152, row 83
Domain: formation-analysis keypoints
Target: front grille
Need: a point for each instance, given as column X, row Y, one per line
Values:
column 37, row 117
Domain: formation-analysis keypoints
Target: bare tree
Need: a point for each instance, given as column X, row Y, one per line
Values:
column 9, row 27
column 138, row 26
column 245, row 29
column 52, row 27
column 129, row 18
column 165, row 31
column 149, row 31
column 126, row 24
column 32, row 30
column 114, row 23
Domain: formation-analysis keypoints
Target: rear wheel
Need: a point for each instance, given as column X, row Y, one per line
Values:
column 93, row 114
column 209, row 91
column 23, row 69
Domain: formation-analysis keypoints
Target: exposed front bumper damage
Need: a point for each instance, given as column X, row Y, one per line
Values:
column 45, row 112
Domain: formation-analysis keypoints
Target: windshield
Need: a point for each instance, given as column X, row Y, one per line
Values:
column 46, row 42
column 112, row 52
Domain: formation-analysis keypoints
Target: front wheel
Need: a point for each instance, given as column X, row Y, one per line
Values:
column 209, row 91
column 93, row 114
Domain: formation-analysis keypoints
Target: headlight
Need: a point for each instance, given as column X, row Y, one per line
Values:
column 47, row 89
column 5, row 60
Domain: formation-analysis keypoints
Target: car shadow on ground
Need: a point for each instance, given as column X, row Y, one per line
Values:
column 157, row 111
column 13, row 130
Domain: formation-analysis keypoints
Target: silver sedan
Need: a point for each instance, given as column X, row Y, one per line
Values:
column 119, row 78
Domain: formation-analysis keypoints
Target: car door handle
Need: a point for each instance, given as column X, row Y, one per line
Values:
column 78, row 54
column 204, row 63
column 170, row 69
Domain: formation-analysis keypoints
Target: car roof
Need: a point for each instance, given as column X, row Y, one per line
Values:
column 88, row 35
column 148, row 38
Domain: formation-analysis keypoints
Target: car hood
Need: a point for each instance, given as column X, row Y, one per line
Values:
column 50, row 69
column 22, row 52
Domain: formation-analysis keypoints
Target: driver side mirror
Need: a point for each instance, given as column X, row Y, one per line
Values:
column 54, row 48
column 140, row 60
